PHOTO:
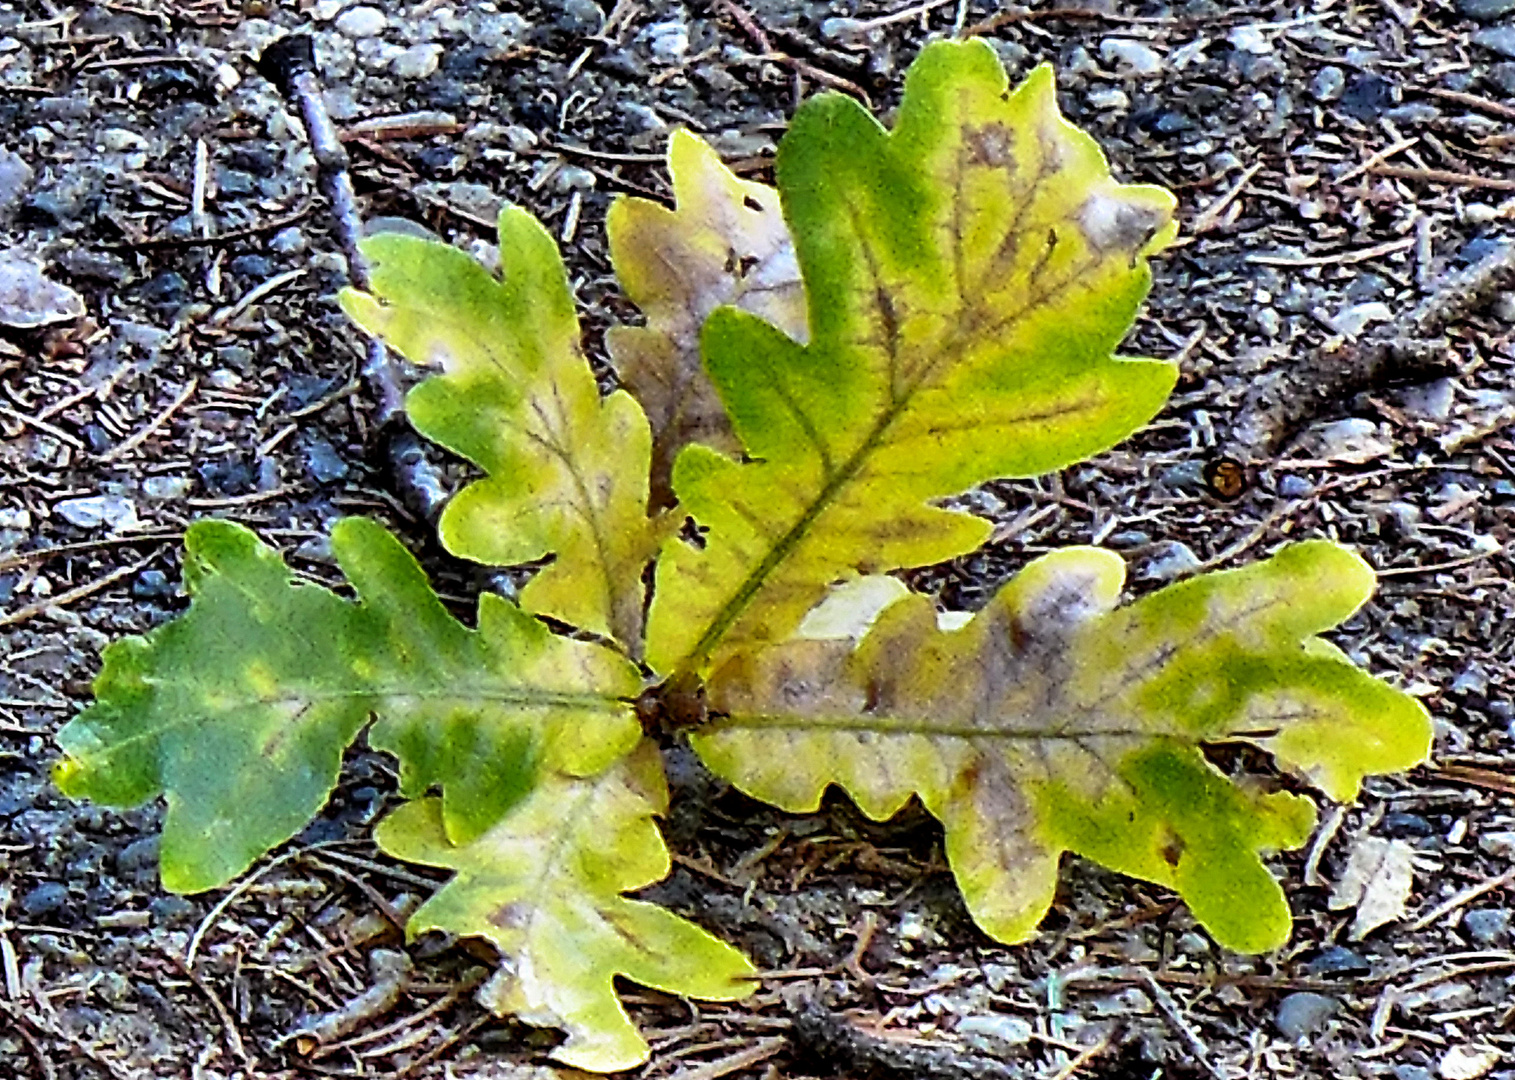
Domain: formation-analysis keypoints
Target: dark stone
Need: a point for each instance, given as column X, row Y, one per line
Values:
column 44, row 900
column 583, row 16
column 1368, row 286
column 153, row 585
column 303, row 389
column 1366, row 96
column 258, row 160
column 137, row 856
column 87, row 264
column 254, row 267
column 227, row 476
column 98, row 438
column 1336, row 960
column 468, row 62
column 236, row 182
column 1405, row 826
column 1502, row 76
column 1477, row 249
column 171, row 909
column 537, row 115
column 8, row 586
column 323, row 462
column 1487, row 926
column 440, row 160
column 165, row 289
column 442, row 93
column 165, row 81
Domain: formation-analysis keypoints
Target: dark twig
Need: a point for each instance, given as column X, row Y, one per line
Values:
column 289, row 64
column 1410, row 349
column 851, row 1051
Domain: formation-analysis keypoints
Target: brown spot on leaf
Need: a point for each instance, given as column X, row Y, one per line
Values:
column 511, row 916
column 992, row 145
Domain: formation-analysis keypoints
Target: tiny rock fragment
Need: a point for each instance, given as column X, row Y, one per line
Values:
column 28, row 298
column 1304, row 1014
column 1467, row 1062
column 1353, row 440
column 1377, row 881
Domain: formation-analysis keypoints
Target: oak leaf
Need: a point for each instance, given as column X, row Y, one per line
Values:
column 1055, row 721
column 967, row 277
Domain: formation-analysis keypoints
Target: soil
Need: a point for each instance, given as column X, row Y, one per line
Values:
column 1336, row 165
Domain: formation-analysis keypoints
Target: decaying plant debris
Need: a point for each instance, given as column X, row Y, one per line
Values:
column 1430, row 502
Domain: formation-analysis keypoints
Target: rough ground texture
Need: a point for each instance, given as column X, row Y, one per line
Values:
column 1336, row 164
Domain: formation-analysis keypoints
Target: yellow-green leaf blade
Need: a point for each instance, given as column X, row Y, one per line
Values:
column 545, row 886
column 724, row 242
column 567, row 470
column 1056, row 722
column 968, row 276
column 239, row 711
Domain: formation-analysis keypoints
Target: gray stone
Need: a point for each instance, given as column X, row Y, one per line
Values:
column 15, row 179
column 29, row 299
column 45, row 899
column 1304, row 1014
column 1502, row 75
column 1499, row 39
column 1487, row 926
column 417, row 62
column 1174, row 559
column 1484, row 10
column 994, row 1033
column 1131, row 57
column 1328, row 83
column 289, row 241
column 93, row 511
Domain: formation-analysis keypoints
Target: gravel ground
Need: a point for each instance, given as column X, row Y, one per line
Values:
column 1345, row 173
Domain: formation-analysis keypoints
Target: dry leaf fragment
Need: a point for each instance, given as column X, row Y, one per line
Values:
column 1377, row 882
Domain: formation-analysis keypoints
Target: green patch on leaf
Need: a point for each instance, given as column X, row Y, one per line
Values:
column 1055, row 721
column 545, row 885
column 239, row 711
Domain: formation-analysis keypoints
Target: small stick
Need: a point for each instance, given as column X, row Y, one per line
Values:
column 1209, row 217
column 290, row 64
column 63, row 599
column 153, row 425
column 1185, row 1030
column 1442, row 176
column 1466, row 896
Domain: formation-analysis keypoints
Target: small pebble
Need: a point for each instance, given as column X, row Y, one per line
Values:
column 1501, row 845
column 1487, row 926
column 1174, row 558
column 362, row 22
column 93, row 511
column 994, row 1034
column 1249, row 39
column 1328, row 84
column 1336, row 960
column 1131, row 57
column 1304, row 1013
column 15, row 179
column 45, row 899
column 417, row 62
column 1295, row 487
column 29, row 299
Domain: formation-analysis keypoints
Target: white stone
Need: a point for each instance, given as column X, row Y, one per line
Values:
column 418, row 61
column 1250, row 39
column 1131, row 56
column 121, row 139
column 29, row 299
column 362, row 22
column 95, row 510
column 995, row 1032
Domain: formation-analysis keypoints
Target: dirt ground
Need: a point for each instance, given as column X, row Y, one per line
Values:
column 1338, row 164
